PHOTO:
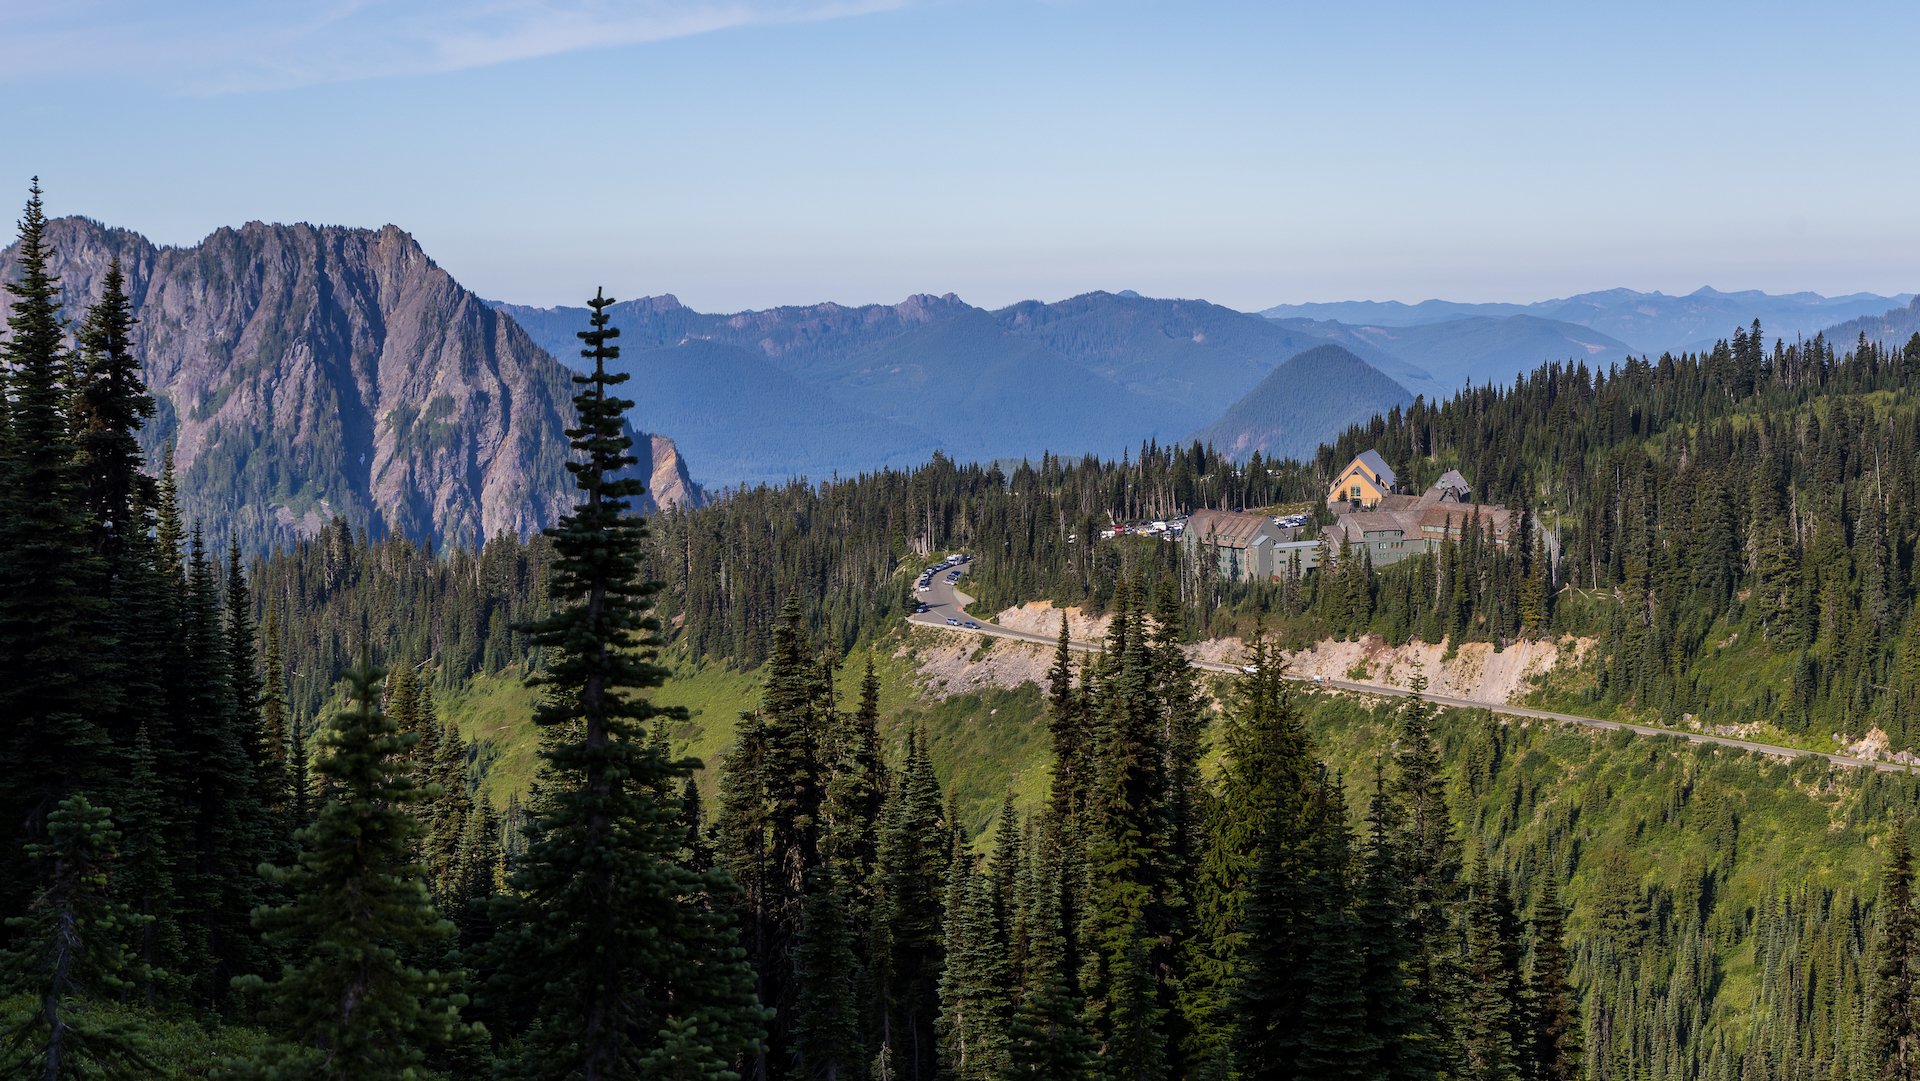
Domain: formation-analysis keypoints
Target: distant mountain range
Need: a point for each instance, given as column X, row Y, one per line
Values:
column 1278, row 416
column 763, row 395
column 1893, row 328
column 1436, row 359
column 306, row 372
column 1647, row 323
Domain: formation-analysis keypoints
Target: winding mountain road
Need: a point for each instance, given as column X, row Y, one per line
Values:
column 945, row 601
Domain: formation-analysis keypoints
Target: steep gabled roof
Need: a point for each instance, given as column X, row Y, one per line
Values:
column 1450, row 484
column 1378, row 466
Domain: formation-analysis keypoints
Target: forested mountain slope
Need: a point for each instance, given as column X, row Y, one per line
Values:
column 1705, row 889
column 1891, row 328
column 306, row 372
column 1280, row 417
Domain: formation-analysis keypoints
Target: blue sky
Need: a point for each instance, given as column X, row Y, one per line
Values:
column 745, row 153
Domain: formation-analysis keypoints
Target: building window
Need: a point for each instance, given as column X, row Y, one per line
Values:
column 1356, row 493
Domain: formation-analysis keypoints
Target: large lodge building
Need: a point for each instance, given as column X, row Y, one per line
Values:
column 1371, row 516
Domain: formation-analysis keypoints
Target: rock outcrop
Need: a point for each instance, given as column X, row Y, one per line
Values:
column 307, row 372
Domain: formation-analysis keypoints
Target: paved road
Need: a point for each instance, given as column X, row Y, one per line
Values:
column 948, row 601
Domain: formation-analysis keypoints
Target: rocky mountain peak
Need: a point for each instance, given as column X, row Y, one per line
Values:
column 311, row 371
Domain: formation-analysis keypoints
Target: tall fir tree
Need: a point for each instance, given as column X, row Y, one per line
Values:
column 350, row 1004
column 1266, row 768
column 619, row 955
column 1398, row 1019
column 1127, row 915
column 110, row 404
column 218, row 890
column 827, row 1023
column 52, row 609
column 1895, row 1029
column 1429, row 863
column 914, row 850
column 276, row 738
column 976, row 984
column 1490, row 973
column 1047, row 1040
column 1553, row 1003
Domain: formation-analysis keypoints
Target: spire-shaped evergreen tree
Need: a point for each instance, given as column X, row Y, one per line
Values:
column 350, row 1004
column 243, row 663
column 1398, row 1019
column 276, row 739
column 1265, row 774
column 146, row 878
column 1553, row 1005
column 610, row 945
column 217, row 887
column 1490, row 980
column 52, row 609
column 110, row 403
column 1127, row 916
column 1047, row 1040
column 1065, row 720
column 914, row 850
column 1429, row 863
column 976, row 985
column 827, row 1022
column 453, row 805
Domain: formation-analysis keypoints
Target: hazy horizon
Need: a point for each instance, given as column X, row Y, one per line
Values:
column 766, row 152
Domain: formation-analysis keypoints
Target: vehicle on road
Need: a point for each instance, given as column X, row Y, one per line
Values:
column 1250, row 669
column 972, row 626
column 952, row 622
column 1319, row 679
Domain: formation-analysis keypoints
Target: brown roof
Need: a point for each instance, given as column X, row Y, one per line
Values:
column 1416, row 516
column 1225, row 529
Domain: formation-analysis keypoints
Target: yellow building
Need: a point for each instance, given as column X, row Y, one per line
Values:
column 1363, row 483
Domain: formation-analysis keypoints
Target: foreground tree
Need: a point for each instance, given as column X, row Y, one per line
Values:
column 51, row 611
column 73, row 946
column 352, row 1003
column 613, row 953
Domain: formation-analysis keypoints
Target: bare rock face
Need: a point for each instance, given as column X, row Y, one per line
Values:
column 308, row 371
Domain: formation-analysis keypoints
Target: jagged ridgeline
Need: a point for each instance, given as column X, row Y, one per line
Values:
column 312, row 372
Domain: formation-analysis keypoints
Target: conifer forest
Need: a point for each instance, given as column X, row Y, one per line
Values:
column 243, row 838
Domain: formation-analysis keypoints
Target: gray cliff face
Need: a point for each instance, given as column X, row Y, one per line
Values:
column 306, row 372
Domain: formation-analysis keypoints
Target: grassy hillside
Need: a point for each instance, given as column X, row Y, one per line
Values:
column 984, row 745
column 1721, row 902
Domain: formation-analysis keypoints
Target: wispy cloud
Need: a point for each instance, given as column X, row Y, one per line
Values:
column 226, row 46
